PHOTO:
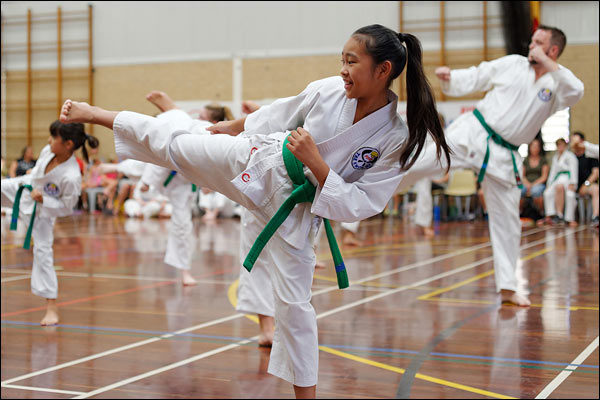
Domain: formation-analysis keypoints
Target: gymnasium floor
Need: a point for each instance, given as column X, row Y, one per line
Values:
column 421, row 318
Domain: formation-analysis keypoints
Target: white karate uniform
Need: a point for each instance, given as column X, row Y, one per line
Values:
column 565, row 162
column 60, row 189
column 515, row 107
column 249, row 169
column 180, row 242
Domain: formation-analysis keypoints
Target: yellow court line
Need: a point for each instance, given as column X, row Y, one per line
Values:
column 418, row 375
column 477, row 277
column 232, row 296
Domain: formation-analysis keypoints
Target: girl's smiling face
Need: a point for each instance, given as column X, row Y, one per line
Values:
column 357, row 70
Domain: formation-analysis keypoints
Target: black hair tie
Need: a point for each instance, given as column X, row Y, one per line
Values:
column 401, row 37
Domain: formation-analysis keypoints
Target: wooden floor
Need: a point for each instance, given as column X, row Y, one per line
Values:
column 421, row 318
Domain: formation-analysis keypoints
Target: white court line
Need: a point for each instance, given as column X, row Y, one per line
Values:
column 38, row 389
column 15, row 278
column 122, row 348
column 234, row 316
column 321, row 315
column 165, row 368
column 565, row 374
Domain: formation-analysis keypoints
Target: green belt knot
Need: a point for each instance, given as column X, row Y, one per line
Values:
column 498, row 139
column 304, row 192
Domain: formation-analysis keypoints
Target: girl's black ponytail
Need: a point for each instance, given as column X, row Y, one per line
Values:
column 421, row 113
column 383, row 44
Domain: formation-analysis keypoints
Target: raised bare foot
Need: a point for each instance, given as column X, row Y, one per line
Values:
column 161, row 100
column 320, row 264
column 350, row 239
column 267, row 330
column 51, row 317
column 510, row 297
column 74, row 111
column 187, row 279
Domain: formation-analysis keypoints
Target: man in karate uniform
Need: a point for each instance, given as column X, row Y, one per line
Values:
column 522, row 92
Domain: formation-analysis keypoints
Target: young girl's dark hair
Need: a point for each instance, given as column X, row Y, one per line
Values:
column 74, row 132
column 219, row 113
column 383, row 44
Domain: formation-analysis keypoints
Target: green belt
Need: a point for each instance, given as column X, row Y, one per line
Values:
column 498, row 139
column 15, row 215
column 170, row 178
column 561, row 173
column 303, row 192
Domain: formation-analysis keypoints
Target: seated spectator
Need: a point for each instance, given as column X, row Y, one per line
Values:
column 23, row 165
column 534, row 174
column 93, row 178
column 147, row 202
column 560, row 190
column 588, row 175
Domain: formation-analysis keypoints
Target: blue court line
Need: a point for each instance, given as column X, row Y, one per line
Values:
column 100, row 328
column 236, row 339
column 81, row 257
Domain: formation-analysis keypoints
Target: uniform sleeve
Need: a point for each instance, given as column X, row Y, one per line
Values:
column 473, row 79
column 591, row 150
column 341, row 201
column 154, row 175
column 283, row 114
column 569, row 89
column 63, row 205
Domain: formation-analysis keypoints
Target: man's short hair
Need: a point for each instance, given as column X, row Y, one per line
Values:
column 580, row 134
column 558, row 37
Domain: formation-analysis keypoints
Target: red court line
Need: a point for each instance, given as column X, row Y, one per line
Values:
column 135, row 289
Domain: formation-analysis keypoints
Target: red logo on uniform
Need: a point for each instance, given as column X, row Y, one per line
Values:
column 252, row 150
column 245, row 177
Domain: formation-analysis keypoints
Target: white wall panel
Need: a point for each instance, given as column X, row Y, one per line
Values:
column 151, row 32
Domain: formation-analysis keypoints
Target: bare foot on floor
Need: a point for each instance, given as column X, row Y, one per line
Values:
column 510, row 297
column 161, row 100
column 350, row 239
column 74, row 111
column 187, row 279
column 51, row 317
column 320, row 264
column 427, row 231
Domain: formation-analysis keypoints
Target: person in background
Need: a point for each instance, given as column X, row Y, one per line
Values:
column 587, row 183
column 534, row 174
column 24, row 164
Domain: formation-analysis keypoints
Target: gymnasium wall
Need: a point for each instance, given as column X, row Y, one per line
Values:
column 186, row 49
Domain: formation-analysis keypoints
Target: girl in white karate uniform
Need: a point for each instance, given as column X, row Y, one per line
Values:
column 56, row 185
column 562, row 184
column 354, row 146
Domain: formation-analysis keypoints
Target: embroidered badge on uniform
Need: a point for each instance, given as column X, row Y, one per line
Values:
column 51, row 189
column 245, row 177
column 545, row 94
column 365, row 158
